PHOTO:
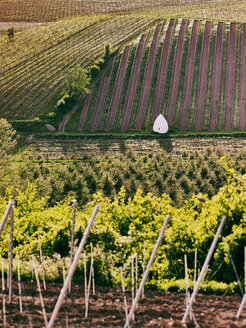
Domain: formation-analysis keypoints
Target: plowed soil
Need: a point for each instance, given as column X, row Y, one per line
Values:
column 157, row 309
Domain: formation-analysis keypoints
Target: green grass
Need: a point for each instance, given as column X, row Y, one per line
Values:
column 109, row 93
column 182, row 77
column 120, row 110
column 135, row 106
column 148, row 123
column 92, row 105
column 221, row 107
column 235, row 114
column 207, row 104
column 169, row 76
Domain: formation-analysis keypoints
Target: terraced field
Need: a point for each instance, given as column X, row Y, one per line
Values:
column 199, row 82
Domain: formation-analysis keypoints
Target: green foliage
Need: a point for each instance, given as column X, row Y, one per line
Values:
column 7, row 138
column 81, row 178
column 11, row 33
column 107, row 52
column 77, row 82
column 126, row 226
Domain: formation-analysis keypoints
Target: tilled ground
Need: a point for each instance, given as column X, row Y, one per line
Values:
column 157, row 309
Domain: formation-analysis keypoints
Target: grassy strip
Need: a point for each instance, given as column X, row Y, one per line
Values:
column 148, row 123
column 135, row 135
column 72, row 124
column 182, row 77
column 124, row 90
column 221, row 107
column 207, row 104
column 235, row 113
column 139, row 89
column 191, row 116
column 210, row 287
column 169, row 74
column 92, row 104
column 109, row 94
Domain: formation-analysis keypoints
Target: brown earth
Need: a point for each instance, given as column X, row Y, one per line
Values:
column 4, row 26
column 157, row 309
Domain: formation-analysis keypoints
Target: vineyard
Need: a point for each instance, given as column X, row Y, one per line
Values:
column 104, row 222
column 184, row 69
column 192, row 69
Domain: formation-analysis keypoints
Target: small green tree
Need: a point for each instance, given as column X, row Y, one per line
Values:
column 77, row 82
column 11, row 33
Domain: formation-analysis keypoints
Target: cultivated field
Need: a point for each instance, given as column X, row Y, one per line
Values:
column 188, row 70
column 174, row 57
column 106, row 309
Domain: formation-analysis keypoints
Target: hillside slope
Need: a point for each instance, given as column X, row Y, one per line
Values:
column 196, row 84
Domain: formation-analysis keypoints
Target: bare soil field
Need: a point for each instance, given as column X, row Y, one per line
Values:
column 4, row 26
column 157, row 309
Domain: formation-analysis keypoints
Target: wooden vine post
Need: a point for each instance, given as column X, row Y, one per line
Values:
column 9, row 212
column 72, row 238
column 72, row 268
column 204, row 269
column 40, row 293
column 244, row 296
column 145, row 275
column 11, row 253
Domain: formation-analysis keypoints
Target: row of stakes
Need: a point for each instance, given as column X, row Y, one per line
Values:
column 91, row 280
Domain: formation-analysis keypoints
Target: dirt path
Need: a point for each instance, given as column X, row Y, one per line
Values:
column 230, row 76
column 67, row 117
column 216, row 77
column 161, row 78
column 176, row 73
column 157, row 309
column 242, row 109
column 118, row 89
column 84, row 112
column 189, row 76
column 100, row 103
column 203, row 76
column 132, row 87
column 147, row 80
